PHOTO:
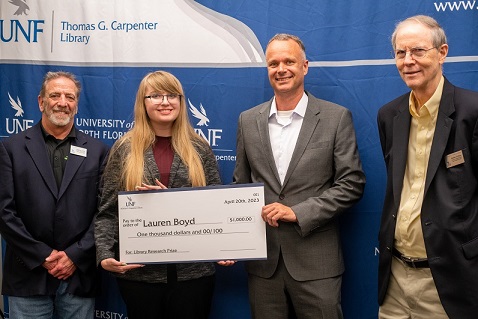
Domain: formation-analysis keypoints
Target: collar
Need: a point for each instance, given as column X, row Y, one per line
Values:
column 299, row 109
column 46, row 135
column 431, row 105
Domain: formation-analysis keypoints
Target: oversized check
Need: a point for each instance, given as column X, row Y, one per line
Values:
column 192, row 224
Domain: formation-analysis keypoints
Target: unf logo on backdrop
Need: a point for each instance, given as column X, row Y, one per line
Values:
column 18, row 123
column 21, row 5
column 210, row 135
column 20, row 30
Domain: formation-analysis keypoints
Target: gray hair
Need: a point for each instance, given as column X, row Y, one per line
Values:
column 438, row 34
column 60, row 74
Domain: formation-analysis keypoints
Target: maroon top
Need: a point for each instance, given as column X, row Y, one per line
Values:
column 163, row 155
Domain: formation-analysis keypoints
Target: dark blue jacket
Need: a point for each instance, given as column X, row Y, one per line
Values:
column 37, row 217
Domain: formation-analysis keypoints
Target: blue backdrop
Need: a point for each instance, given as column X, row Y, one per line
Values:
column 348, row 48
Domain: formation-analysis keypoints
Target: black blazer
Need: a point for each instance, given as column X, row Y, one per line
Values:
column 449, row 215
column 37, row 217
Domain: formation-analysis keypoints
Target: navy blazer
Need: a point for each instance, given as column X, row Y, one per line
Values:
column 449, row 215
column 37, row 217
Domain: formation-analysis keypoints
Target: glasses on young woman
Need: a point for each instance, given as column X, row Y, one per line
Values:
column 159, row 98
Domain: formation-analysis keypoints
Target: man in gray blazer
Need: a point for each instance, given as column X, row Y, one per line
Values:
column 304, row 150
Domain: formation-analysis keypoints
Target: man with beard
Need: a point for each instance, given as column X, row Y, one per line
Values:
column 48, row 199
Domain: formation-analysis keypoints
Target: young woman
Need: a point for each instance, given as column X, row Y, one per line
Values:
column 160, row 151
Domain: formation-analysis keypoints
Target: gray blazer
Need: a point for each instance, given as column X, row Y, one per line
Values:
column 324, row 179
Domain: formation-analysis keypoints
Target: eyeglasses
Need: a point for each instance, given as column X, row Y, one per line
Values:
column 414, row 53
column 159, row 98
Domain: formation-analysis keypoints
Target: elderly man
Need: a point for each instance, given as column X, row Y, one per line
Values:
column 429, row 229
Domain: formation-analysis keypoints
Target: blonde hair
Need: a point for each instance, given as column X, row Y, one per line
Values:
column 142, row 137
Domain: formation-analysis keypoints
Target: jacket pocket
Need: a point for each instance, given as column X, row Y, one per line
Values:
column 321, row 144
column 470, row 249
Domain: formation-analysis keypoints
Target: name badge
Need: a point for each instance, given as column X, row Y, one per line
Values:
column 454, row 159
column 80, row 151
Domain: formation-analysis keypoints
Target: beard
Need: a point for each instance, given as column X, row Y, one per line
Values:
column 59, row 116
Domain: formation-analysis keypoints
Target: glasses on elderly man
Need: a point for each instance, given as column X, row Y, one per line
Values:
column 159, row 98
column 415, row 53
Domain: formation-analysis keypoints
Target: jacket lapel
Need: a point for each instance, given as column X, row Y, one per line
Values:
column 309, row 125
column 401, row 133
column 442, row 131
column 73, row 163
column 37, row 149
column 263, row 129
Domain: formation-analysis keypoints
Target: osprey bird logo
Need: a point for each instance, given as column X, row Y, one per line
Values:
column 200, row 115
column 17, row 106
column 22, row 7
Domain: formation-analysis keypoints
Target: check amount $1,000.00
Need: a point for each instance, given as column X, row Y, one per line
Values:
column 241, row 219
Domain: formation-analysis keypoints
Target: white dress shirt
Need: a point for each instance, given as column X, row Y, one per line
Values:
column 284, row 128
